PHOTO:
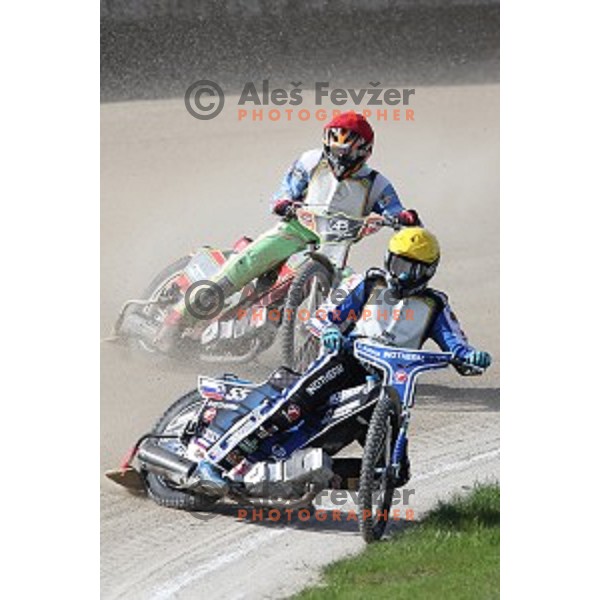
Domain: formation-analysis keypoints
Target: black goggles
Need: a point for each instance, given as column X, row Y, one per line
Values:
column 403, row 268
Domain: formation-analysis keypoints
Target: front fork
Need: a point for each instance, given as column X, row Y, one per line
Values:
column 400, row 449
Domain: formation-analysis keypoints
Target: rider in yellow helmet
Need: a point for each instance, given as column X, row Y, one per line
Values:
column 394, row 306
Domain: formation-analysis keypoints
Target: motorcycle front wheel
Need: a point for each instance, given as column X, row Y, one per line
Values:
column 307, row 292
column 376, row 489
column 173, row 422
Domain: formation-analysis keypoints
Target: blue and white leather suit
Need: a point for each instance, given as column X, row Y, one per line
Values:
column 370, row 308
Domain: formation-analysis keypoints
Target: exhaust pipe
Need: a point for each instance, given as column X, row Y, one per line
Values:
column 135, row 326
column 165, row 463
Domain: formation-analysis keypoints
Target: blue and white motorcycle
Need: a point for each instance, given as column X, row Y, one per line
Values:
column 223, row 420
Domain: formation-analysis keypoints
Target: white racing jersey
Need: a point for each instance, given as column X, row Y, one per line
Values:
column 367, row 306
column 310, row 180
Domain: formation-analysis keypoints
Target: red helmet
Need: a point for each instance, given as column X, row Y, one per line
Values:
column 347, row 143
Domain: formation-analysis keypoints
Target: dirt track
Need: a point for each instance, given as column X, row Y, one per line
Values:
column 170, row 183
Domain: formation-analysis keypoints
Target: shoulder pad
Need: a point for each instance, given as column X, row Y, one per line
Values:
column 438, row 297
column 443, row 296
column 372, row 176
column 310, row 159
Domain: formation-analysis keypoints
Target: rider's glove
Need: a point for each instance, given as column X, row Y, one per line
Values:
column 283, row 207
column 332, row 339
column 409, row 218
column 479, row 358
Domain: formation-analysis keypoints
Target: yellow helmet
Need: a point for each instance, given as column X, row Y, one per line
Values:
column 415, row 243
column 412, row 257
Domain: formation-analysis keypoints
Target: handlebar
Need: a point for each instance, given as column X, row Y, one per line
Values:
column 391, row 222
column 290, row 212
column 463, row 367
column 466, row 369
column 386, row 220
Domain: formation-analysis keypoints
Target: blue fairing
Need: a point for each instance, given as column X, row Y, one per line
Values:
column 230, row 410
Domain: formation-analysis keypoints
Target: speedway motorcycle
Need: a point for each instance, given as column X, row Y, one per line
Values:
column 251, row 319
column 224, row 420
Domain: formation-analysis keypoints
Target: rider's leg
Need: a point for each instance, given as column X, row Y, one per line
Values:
column 334, row 373
column 266, row 252
column 307, row 396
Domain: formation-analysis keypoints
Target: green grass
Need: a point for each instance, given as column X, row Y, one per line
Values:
column 453, row 553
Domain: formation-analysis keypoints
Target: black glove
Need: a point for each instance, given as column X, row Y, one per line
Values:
column 284, row 207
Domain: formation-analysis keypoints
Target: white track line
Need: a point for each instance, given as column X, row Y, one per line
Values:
column 249, row 544
column 456, row 466
column 174, row 586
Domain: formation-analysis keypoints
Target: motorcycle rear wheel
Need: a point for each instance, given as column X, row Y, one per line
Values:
column 172, row 422
column 376, row 490
column 308, row 290
column 168, row 274
column 138, row 324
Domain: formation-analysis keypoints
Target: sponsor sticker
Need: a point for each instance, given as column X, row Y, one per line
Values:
column 234, row 457
column 249, row 445
column 212, row 390
column 209, row 414
column 293, row 412
column 400, row 376
column 210, row 436
column 327, row 377
column 278, row 451
column 237, row 394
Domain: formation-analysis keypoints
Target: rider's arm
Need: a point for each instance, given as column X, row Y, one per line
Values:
column 447, row 333
column 353, row 293
column 295, row 181
column 384, row 199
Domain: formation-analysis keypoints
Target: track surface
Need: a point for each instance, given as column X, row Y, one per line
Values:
column 169, row 183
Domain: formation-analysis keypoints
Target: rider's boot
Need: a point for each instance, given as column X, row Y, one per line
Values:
column 224, row 288
column 208, row 477
column 209, row 299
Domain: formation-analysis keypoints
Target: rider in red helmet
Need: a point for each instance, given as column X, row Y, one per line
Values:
column 334, row 178
column 347, row 143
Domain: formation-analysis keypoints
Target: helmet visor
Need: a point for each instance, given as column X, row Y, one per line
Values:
column 401, row 267
column 345, row 150
column 341, row 150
